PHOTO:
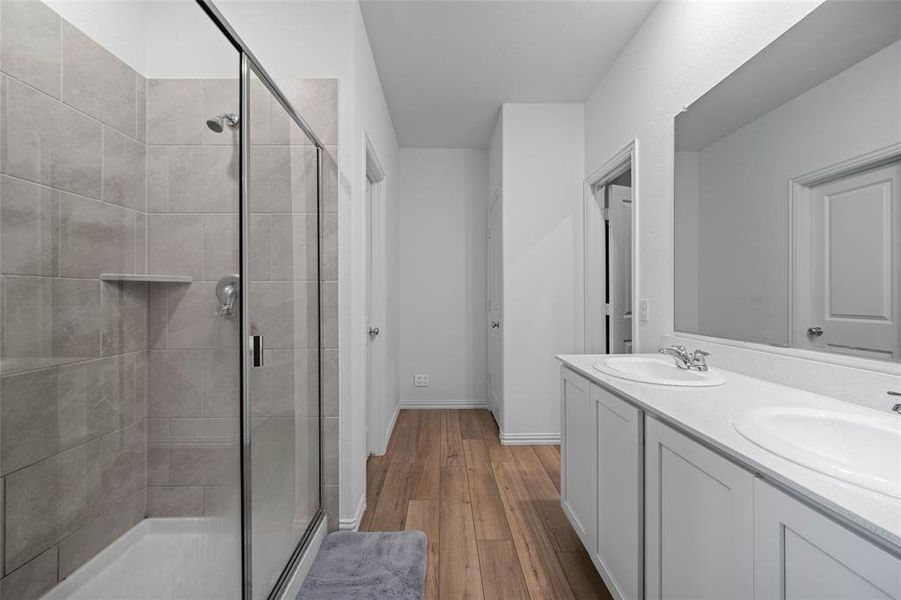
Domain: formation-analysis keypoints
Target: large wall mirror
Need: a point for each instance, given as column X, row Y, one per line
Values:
column 788, row 191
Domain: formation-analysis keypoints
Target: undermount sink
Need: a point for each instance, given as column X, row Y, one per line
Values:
column 657, row 370
column 858, row 449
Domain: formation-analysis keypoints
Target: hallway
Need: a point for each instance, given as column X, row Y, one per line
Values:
column 492, row 513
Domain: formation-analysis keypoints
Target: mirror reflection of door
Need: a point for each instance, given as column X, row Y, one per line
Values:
column 494, row 306
column 618, row 226
column 854, row 305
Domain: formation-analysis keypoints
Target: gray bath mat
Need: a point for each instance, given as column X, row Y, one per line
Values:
column 368, row 566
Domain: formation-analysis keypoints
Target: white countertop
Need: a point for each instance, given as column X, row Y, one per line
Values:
column 706, row 413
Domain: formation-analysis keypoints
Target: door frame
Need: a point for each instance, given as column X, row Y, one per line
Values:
column 799, row 250
column 495, row 200
column 594, row 246
column 373, row 236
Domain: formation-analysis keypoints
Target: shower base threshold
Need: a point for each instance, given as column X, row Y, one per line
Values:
column 172, row 558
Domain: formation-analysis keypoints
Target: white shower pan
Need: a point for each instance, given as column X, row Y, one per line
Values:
column 172, row 558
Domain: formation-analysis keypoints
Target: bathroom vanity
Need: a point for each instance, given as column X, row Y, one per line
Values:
column 671, row 501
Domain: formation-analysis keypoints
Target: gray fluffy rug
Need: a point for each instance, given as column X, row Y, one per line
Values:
column 368, row 566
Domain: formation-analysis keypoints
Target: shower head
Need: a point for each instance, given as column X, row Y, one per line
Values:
column 219, row 122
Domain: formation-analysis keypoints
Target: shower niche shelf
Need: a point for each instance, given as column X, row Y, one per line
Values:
column 146, row 278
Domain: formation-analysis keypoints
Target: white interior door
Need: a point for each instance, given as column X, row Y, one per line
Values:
column 495, row 346
column 853, row 306
column 374, row 311
column 619, row 265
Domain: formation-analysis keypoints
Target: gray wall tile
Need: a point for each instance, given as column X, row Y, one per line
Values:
column 175, row 111
column 305, row 251
column 221, row 96
column 306, row 314
column 124, row 311
column 77, row 318
column 30, row 44
column 95, row 238
column 221, row 383
column 157, row 179
column 193, row 322
column 304, row 187
column 328, row 247
column 175, row 245
column 29, row 216
column 50, row 143
column 175, row 383
column 49, row 500
column 220, row 246
column 329, row 452
column 175, row 501
column 85, row 543
column 123, row 170
column 330, row 383
column 317, row 101
column 97, row 83
column 33, row 579
column 122, row 458
column 203, row 463
column 272, row 312
column 203, row 179
column 141, row 108
column 27, row 317
column 270, row 179
column 329, row 314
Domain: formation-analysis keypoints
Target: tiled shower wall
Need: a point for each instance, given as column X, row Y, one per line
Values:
column 90, row 370
column 73, row 354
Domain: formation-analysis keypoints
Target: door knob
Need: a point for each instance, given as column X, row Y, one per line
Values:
column 814, row 331
column 373, row 331
column 495, row 324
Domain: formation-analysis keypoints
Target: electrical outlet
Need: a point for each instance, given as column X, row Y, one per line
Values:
column 420, row 381
column 643, row 310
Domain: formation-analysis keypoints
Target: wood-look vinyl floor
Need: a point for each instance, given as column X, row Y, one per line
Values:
column 492, row 513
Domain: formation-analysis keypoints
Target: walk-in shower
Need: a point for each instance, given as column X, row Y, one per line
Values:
column 161, row 346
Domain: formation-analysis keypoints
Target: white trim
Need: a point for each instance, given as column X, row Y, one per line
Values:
column 592, row 219
column 353, row 523
column 450, row 404
column 389, row 431
column 529, row 439
column 303, row 566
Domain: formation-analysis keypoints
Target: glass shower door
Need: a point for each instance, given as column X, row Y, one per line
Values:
column 282, row 261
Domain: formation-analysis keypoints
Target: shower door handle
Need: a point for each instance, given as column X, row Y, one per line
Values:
column 256, row 350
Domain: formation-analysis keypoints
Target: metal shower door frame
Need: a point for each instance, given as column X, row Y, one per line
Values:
column 249, row 65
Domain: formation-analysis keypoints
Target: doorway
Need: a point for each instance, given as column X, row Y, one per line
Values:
column 848, row 231
column 609, row 260
column 374, row 197
column 495, row 287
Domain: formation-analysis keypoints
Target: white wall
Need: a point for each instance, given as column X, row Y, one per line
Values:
column 543, row 169
column 443, row 208
column 744, row 180
column 682, row 50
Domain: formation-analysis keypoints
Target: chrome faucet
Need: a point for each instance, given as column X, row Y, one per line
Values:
column 680, row 355
column 696, row 361
column 897, row 407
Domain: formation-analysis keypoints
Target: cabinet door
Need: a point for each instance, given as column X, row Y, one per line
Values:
column 698, row 517
column 578, row 451
column 619, row 553
column 801, row 554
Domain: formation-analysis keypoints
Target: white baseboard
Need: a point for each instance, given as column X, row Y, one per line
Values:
column 353, row 523
column 446, row 404
column 529, row 439
column 305, row 563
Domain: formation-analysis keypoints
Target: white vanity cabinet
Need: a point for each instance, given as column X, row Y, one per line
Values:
column 578, row 451
column 801, row 554
column 699, row 511
column 618, row 550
